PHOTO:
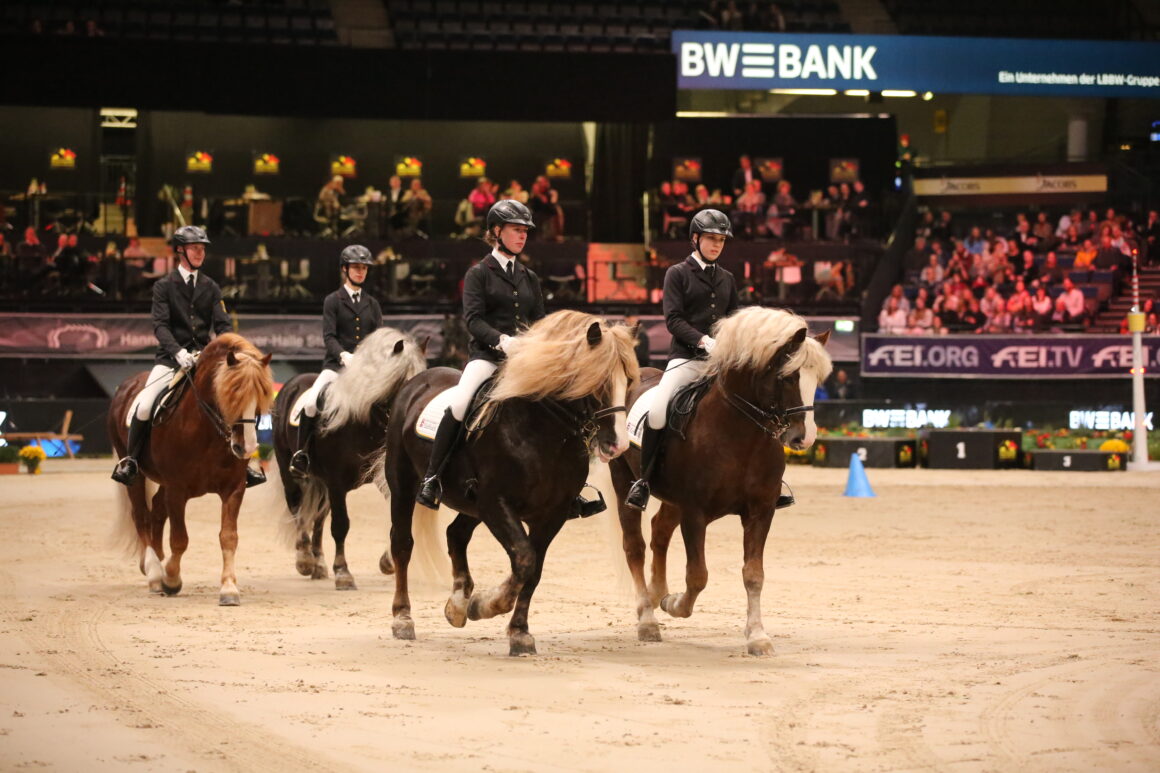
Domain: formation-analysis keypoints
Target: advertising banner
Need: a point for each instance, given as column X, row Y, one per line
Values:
column 987, row 356
column 944, row 65
column 1029, row 185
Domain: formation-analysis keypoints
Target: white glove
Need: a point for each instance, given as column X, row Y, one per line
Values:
column 185, row 360
column 505, row 342
column 345, row 358
column 707, row 344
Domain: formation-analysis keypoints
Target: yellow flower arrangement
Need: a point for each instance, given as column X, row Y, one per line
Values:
column 32, row 456
column 1115, row 445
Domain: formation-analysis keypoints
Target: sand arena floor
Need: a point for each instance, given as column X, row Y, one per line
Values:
column 1005, row 621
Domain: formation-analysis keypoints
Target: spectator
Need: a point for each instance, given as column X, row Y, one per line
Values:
column 1071, row 304
column 920, row 321
column 1028, row 271
column 544, row 201
column 1070, row 241
column 931, row 276
column 1086, row 256
column 1150, row 235
column 417, row 207
column 1107, row 256
column 974, row 243
column 999, row 320
column 1067, row 222
column 992, row 303
column 786, row 204
column 744, row 175
column 839, row 386
column 1042, row 306
column 1022, row 316
column 926, row 226
column 481, row 198
column 972, row 316
column 943, row 230
column 747, row 211
column 892, row 319
column 1043, row 232
column 1051, row 272
column 516, row 192
column 898, row 295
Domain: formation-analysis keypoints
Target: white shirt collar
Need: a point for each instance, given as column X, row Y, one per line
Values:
column 502, row 259
column 700, row 262
column 350, row 291
column 185, row 274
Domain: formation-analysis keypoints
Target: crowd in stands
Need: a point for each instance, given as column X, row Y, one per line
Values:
column 768, row 210
column 1037, row 275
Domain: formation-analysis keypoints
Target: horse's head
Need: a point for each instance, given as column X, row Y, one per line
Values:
column 243, row 388
column 612, row 416
column 807, row 364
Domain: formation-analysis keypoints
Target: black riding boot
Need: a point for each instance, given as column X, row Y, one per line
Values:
column 446, row 438
column 785, row 500
column 254, row 475
column 650, row 446
column 300, row 461
column 127, row 469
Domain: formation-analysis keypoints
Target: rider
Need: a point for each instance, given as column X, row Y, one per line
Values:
column 698, row 292
column 500, row 297
column 349, row 315
column 187, row 304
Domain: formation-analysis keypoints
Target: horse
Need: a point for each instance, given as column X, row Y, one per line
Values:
column 201, row 447
column 762, row 375
column 559, row 393
column 351, row 428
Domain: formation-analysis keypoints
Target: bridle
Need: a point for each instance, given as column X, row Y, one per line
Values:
column 215, row 418
column 773, row 421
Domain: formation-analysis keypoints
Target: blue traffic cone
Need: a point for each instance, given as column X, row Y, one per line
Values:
column 857, row 485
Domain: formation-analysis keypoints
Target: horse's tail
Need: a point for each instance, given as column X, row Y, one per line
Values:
column 429, row 565
column 124, row 537
column 312, row 503
column 600, row 477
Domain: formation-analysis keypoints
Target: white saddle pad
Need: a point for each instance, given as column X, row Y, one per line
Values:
column 433, row 414
column 180, row 374
column 636, row 416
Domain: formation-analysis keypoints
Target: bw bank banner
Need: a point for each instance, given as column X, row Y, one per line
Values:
column 979, row 356
column 743, row 60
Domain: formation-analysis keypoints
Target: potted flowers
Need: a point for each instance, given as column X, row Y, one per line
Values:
column 9, row 460
column 32, row 456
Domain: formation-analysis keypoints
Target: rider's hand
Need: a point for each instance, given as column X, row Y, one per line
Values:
column 707, row 344
column 505, row 342
column 185, row 360
column 345, row 358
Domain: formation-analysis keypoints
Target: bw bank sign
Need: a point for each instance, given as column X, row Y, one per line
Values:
column 741, row 60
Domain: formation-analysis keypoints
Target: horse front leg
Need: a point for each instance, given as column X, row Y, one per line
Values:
column 402, row 543
column 339, row 528
column 319, row 571
column 507, row 529
column 229, row 596
column 462, row 586
column 174, row 511
column 696, row 573
column 521, row 642
column 632, row 541
column 149, row 521
column 755, row 530
column 664, row 523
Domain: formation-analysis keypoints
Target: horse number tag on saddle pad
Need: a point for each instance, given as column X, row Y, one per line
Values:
column 433, row 414
column 636, row 416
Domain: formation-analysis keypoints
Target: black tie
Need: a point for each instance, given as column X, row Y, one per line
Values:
column 355, row 298
column 189, row 282
column 511, row 269
column 711, row 270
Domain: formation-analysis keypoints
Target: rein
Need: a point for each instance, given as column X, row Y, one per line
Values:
column 779, row 417
column 211, row 413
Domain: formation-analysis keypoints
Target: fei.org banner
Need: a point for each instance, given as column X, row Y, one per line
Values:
column 944, row 65
column 990, row 356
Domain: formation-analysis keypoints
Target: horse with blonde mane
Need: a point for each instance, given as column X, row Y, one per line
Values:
column 352, row 426
column 763, row 373
column 200, row 446
column 557, row 398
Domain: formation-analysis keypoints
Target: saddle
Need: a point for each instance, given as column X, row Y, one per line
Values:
column 166, row 402
column 474, row 421
column 684, row 405
column 300, row 404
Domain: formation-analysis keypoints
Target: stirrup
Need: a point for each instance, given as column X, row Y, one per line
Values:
column 430, row 492
column 586, row 508
column 299, row 465
column 126, row 471
column 785, row 500
column 638, row 495
column 254, row 477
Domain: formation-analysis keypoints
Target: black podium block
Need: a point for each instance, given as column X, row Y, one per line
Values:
column 1075, row 460
column 970, row 449
column 874, row 452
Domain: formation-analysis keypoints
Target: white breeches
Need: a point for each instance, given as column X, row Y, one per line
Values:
column 677, row 373
column 476, row 372
column 159, row 378
column 310, row 406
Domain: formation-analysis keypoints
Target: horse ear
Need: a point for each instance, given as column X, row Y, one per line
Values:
column 423, row 346
column 267, row 358
column 791, row 346
column 398, row 347
column 594, row 334
column 231, row 358
column 823, row 338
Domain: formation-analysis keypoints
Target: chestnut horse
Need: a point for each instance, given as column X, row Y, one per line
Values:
column 559, row 393
column 201, row 448
column 351, row 429
column 764, row 370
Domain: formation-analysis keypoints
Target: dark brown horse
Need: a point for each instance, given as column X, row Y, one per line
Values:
column 560, row 391
column 351, row 430
column 201, row 448
column 764, row 371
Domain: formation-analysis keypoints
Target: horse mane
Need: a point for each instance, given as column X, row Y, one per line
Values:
column 750, row 339
column 374, row 374
column 235, row 387
column 553, row 359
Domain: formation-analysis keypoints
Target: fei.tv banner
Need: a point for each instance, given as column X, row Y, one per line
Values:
column 741, row 60
column 992, row 356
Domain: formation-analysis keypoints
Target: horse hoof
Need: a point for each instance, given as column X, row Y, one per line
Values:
column 668, row 602
column 473, row 608
column 385, row 565
column 344, row 581
column 648, row 632
column 403, row 628
column 305, row 567
column 229, row 600
column 320, row 572
column 522, row 644
column 456, row 611
column 760, row 647
column 170, row 591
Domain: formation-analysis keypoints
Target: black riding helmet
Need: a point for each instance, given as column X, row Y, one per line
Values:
column 710, row 221
column 508, row 211
column 187, row 234
column 356, row 253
